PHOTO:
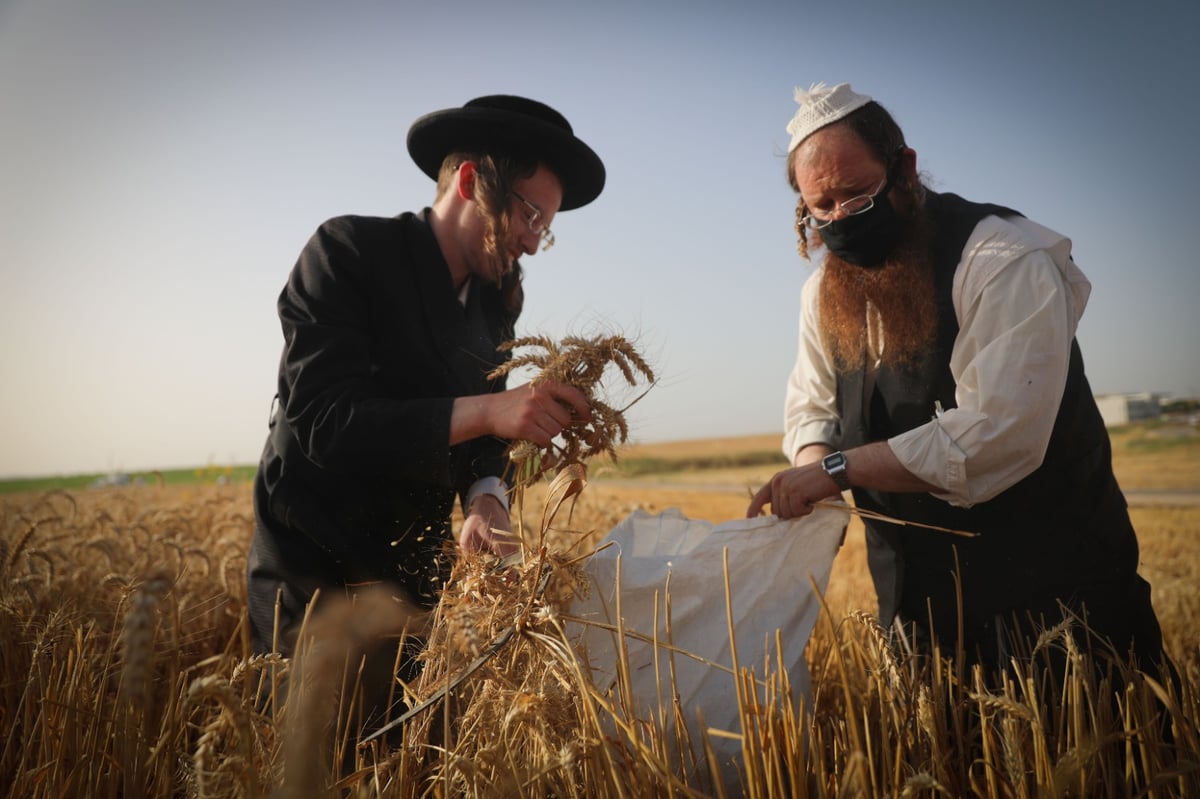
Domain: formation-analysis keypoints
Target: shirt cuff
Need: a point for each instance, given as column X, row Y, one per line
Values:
column 813, row 432
column 930, row 453
column 487, row 485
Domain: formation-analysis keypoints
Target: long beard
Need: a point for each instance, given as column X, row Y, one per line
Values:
column 900, row 292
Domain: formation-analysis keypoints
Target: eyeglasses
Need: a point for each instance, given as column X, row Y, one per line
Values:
column 852, row 207
column 533, row 218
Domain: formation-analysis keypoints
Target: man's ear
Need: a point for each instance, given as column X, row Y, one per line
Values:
column 466, row 180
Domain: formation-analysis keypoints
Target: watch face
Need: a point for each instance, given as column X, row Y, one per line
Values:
column 835, row 466
column 835, row 461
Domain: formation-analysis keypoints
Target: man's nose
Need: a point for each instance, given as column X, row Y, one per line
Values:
column 530, row 242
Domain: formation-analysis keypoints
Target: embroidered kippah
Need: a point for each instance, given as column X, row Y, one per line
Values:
column 821, row 106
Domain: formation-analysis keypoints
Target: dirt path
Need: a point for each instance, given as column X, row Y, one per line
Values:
column 1164, row 498
column 1186, row 498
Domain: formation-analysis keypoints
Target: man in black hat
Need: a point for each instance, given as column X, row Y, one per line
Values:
column 384, row 412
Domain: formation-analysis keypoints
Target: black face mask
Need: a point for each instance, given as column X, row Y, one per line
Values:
column 866, row 239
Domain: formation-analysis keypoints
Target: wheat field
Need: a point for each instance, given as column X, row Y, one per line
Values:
column 126, row 671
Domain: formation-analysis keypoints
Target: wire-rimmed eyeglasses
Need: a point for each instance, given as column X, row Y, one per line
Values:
column 852, row 207
column 533, row 218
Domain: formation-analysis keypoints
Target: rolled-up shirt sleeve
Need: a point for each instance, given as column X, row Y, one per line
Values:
column 1018, row 297
column 810, row 413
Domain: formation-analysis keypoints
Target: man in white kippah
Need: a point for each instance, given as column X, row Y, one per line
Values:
column 938, row 379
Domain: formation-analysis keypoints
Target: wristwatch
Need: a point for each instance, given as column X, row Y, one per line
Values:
column 835, row 466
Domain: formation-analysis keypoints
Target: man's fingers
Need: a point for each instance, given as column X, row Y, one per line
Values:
column 785, row 494
column 571, row 400
column 555, row 406
column 762, row 498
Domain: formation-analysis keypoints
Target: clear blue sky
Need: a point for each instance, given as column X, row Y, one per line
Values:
column 162, row 162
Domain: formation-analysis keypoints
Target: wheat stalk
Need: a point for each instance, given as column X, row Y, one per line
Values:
column 582, row 363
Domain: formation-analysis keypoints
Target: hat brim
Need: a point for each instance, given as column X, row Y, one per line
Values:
column 434, row 136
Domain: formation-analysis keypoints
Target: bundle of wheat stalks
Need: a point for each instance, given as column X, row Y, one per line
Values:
column 583, row 363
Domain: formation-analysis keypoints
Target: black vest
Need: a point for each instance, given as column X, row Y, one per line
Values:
column 1062, row 526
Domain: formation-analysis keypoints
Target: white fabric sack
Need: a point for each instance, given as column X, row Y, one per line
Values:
column 771, row 562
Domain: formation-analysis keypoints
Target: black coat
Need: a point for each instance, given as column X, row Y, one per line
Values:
column 357, row 480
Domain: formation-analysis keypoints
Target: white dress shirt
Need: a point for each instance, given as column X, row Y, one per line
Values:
column 1018, row 297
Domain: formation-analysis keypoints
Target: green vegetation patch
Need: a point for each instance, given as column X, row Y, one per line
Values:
column 75, row 482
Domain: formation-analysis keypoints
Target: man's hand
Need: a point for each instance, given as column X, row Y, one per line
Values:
column 535, row 413
column 792, row 492
column 486, row 528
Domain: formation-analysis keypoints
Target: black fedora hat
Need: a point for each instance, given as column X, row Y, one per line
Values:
column 515, row 126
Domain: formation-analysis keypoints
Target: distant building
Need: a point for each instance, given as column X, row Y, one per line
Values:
column 1118, row 409
column 111, row 479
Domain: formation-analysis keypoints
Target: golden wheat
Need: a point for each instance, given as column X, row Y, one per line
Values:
column 138, row 594
column 582, row 363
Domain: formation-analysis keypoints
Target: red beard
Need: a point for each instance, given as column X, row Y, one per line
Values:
column 901, row 290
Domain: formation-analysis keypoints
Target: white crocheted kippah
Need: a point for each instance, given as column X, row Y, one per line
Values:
column 821, row 106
